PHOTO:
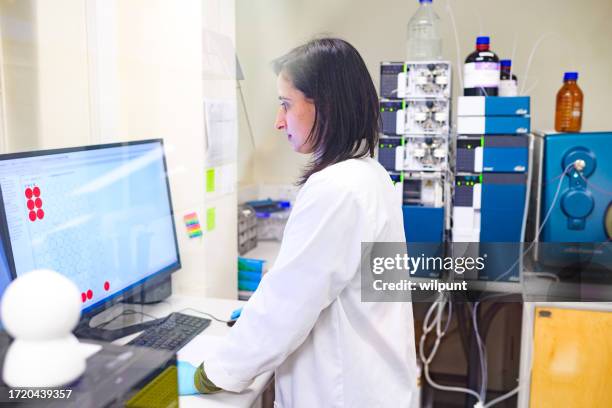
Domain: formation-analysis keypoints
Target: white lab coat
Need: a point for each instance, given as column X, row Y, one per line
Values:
column 306, row 320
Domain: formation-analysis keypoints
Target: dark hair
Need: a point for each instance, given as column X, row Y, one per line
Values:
column 331, row 73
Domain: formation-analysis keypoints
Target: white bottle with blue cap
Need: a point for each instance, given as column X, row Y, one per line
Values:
column 508, row 85
column 424, row 42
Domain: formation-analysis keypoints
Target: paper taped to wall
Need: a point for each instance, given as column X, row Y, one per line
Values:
column 221, row 131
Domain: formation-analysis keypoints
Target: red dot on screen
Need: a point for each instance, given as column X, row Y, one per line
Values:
column 40, row 214
column 38, row 203
column 84, row 297
column 28, row 192
column 89, row 294
column 30, row 204
column 106, row 285
column 32, row 216
column 36, row 191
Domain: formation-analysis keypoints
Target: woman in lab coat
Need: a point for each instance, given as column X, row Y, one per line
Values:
column 306, row 321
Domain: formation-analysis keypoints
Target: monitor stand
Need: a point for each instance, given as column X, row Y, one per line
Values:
column 89, row 327
column 153, row 291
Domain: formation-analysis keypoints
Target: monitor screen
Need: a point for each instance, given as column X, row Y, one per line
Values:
column 100, row 215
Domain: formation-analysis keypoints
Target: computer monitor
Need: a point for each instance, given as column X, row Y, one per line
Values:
column 100, row 215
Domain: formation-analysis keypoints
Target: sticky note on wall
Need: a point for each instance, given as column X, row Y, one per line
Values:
column 210, row 180
column 192, row 224
column 210, row 219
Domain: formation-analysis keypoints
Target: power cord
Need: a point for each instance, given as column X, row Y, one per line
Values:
column 482, row 348
column 594, row 186
column 481, row 345
column 129, row 312
column 501, row 398
column 544, row 221
column 196, row 311
column 480, row 396
column 124, row 313
column 482, row 354
column 439, row 306
column 204, row 313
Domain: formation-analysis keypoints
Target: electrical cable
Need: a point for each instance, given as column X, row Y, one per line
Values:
column 548, row 213
column 481, row 346
column 448, row 388
column 246, row 115
column 532, row 87
column 513, row 53
column 543, row 275
column 501, row 398
column 481, row 396
column 595, row 186
column 482, row 354
column 439, row 306
column 129, row 312
column 427, row 327
column 203, row 313
column 529, row 60
column 458, row 50
column 527, row 200
column 124, row 313
column 462, row 328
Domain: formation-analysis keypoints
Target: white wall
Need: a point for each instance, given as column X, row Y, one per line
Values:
column 18, row 74
column 161, row 93
column 580, row 40
column 63, row 86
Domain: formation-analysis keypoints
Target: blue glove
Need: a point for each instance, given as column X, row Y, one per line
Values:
column 186, row 381
column 236, row 314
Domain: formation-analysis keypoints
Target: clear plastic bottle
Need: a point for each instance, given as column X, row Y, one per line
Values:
column 423, row 41
column 568, row 112
column 507, row 80
column 481, row 71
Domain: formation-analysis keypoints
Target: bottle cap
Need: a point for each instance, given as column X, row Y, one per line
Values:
column 570, row 76
column 505, row 63
column 482, row 40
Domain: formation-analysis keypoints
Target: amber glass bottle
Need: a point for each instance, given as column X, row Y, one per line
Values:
column 568, row 113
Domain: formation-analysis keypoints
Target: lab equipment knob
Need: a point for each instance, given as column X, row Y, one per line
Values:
column 439, row 153
column 577, row 204
column 582, row 160
column 579, row 164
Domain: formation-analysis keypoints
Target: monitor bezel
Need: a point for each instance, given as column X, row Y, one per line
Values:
column 131, row 290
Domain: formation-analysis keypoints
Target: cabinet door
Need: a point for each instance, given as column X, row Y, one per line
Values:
column 572, row 358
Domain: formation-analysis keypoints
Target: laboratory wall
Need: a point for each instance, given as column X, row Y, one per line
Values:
column 551, row 36
column 79, row 72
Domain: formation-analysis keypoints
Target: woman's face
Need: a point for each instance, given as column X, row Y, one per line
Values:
column 296, row 115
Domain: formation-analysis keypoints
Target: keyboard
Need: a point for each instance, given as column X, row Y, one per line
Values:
column 173, row 333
